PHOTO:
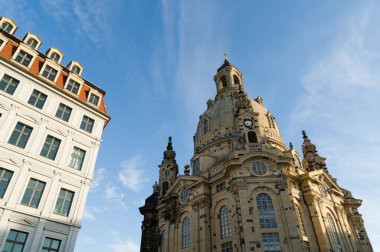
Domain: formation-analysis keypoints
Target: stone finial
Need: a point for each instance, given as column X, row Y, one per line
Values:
column 187, row 170
column 291, row 145
column 169, row 154
column 312, row 160
column 156, row 187
column 225, row 57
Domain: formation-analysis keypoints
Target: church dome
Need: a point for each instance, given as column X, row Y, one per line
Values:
column 233, row 118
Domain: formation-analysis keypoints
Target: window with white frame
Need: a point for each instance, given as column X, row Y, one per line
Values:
column 8, row 84
column 225, row 222
column 271, row 242
column 5, row 178
column 16, row 241
column 50, row 73
column 33, row 193
column 20, row 135
column 50, row 148
column 51, row 245
column 32, row 42
column 77, row 158
column 94, row 99
column 55, row 57
column 6, row 26
column 37, row 99
column 266, row 211
column 186, row 232
column 76, row 69
column 24, row 58
column 64, row 202
column 87, row 124
column 73, row 86
column 63, row 112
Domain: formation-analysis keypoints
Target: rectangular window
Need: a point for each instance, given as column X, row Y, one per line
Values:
column 20, row 135
column 8, row 84
column 50, row 73
column 76, row 158
column 51, row 245
column 5, row 178
column 50, row 148
column 37, row 99
column 24, row 58
column 196, row 167
column 87, row 124
column 227, row 247
column 94, row 99
column 33, row 193
column 63, row 112
column 73, row 86
column 64, row 201
column 271, row 242
column 15, row 241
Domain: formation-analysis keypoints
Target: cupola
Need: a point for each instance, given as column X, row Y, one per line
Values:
column 228, row 78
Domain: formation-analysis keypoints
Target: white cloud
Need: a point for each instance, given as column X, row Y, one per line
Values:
column 90, row 212
column 99, row 176
column 132, row 174
column 88, row 17
column 124, row 246
column 113, row 193
column 341, row 105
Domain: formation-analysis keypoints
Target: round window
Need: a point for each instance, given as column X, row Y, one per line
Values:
column 184, row 195
column 259, row 168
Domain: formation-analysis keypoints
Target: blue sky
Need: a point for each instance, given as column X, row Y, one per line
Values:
column 315, row 63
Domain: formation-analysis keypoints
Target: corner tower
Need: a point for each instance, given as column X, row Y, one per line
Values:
column 247, row 190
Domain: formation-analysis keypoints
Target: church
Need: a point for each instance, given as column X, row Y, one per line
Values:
column 246, row 190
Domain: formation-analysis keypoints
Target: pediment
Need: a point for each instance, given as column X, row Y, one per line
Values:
column 58, row 131
column 181, row 181
column 23, row 222
column 30, row 118
column 11, row 161
column 324, row 178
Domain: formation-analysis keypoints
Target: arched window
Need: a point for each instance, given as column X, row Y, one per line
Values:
column 55, row 57
column 252, row 137
column 300, row 220
column 333, row 228
column 7, row 27
column 165, row 187
column 236, row 80
column 32, row 42
column 186, row 233
column 225, row 222
column 266, row 211
column 223, row 80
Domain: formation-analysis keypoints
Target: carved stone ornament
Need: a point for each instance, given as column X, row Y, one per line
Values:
column 238, row 186
column 243, row 102
column 311, row 156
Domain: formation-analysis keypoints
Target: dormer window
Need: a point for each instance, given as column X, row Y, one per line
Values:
column 94, row 99
column 6, row 26
column 32, row 43
column 76, row 70
column 236, row 80
column 50, row 73
column 55, row 57
column 73, row 86
column 24, row 58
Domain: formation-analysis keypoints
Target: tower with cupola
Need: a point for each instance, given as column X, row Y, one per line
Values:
column 247, row 191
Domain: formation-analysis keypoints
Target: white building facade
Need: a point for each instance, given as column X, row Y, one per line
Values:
column 51, row 122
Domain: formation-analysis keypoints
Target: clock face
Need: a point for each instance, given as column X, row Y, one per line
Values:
column 248, row 123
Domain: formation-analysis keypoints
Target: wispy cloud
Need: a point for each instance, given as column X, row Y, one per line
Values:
column 88, row 17
column 132, row 174
column 90, row 212
column 99, row 176
column 113, row 193
column 341, row 105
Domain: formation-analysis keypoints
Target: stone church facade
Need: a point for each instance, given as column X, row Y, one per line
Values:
column 246, row 190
